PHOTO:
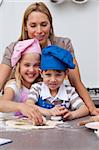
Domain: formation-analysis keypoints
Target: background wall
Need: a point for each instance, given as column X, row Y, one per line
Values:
column 79, row 22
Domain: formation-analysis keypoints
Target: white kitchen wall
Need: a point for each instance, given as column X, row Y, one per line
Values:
column 79, row 22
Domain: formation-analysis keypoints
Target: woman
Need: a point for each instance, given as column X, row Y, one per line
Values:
column 37, row 22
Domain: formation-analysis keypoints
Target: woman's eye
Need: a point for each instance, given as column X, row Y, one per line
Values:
column 44, row 24
column 33, row 25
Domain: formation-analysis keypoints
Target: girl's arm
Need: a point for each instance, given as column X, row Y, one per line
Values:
column 31, row 112
column 43, row 111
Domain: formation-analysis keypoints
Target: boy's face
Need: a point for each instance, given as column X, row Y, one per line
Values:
column 53, row 79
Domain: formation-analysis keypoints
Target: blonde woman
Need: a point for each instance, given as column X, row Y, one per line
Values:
column 37, row 23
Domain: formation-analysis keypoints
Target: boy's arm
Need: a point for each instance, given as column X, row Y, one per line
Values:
column 80, row 112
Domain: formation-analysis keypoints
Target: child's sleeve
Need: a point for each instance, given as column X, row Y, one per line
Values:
column 11, row 84
column 75, row 100
column 34, row 92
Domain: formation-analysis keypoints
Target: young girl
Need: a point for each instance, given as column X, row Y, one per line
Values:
column 26, row 58
column 52, row 94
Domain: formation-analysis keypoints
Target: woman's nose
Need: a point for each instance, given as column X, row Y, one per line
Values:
column 38, row 29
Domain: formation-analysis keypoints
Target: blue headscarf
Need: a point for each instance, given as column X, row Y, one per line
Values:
column 56, row 58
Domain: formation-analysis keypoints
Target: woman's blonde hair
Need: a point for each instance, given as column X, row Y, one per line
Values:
column 36, row 7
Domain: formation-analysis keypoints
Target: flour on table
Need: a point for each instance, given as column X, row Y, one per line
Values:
column 24, row 124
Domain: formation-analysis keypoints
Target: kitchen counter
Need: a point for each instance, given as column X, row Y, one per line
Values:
column 68, row 136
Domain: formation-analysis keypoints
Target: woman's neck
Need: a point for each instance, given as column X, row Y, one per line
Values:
column 47, row 43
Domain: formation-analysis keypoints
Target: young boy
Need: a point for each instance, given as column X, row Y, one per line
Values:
column 52, row 96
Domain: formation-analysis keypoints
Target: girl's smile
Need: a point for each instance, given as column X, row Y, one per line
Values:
column 29, row 68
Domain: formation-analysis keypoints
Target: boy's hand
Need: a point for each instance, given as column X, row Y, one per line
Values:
column 57, row 110
column 32, row 112
column 68, row 115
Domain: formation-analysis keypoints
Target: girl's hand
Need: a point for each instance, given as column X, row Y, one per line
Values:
column 32, row 112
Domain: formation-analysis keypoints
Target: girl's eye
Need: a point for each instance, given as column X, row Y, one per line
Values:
column 26, row 65
column 36, row 65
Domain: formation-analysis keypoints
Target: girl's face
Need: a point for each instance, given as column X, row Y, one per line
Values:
column 29, row 68
column 53, row 79
column 38, row 26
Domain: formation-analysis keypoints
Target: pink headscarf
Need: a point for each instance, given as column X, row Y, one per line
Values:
column 23, row 47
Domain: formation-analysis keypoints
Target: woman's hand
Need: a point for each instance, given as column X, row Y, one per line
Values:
column 95, row 111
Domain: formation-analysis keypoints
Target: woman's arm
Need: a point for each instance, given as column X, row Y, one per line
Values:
column 75, row 80
column 5, row 66
column 5, row 71
column 8, row 94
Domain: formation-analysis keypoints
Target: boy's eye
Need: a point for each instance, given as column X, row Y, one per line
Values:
column 47, row 75
column 58, row 74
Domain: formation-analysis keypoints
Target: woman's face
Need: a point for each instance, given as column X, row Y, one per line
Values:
column 38, row 26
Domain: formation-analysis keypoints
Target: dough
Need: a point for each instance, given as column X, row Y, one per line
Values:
column 56, row 118
column 25, row 124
